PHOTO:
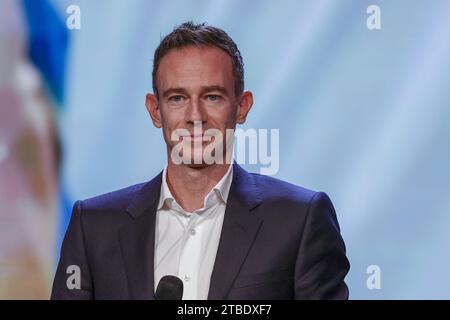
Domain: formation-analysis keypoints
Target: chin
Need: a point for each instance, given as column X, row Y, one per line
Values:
column 198, row 166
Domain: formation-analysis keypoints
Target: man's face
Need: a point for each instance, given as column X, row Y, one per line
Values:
column 196, row 88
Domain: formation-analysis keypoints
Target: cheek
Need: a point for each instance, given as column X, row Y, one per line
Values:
column 224, row 117
column 166, row 123
column 169, row 117
column 171, row 120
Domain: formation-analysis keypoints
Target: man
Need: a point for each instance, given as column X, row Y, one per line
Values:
column 226, row 233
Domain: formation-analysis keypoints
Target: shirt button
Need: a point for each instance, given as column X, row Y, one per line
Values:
column 187, row 278
column 193, row 232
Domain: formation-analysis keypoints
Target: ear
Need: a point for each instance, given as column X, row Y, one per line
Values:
column 245, row 104
column 151, row 103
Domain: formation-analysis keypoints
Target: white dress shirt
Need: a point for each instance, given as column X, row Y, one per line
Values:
column 186, row 243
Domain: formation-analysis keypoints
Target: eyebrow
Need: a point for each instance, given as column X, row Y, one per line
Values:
column 215, row 88
column 174, row 90
column 204, row 89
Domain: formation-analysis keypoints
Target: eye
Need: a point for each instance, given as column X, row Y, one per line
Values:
column 176, row 98
column 213, row 97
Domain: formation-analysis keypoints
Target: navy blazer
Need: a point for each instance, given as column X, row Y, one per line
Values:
column 278, row 241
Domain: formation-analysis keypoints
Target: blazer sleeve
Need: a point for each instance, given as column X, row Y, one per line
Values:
column 73, row 263
column 321, row 264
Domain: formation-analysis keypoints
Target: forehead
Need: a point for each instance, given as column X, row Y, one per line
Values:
column 195, row 66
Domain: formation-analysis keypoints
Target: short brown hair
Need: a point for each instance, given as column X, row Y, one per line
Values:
column 190, row 34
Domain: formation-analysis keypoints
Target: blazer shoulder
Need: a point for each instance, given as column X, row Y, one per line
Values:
column 117, row 200
column 273, row 189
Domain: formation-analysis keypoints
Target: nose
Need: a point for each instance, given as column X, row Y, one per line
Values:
column 195, row 113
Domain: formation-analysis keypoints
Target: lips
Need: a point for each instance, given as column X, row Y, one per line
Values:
column 196, row 137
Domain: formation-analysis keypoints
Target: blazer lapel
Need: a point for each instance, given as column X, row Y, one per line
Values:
column 137, row 240
column 239, row 230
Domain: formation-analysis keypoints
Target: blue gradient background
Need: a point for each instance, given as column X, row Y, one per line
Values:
column 363, row 115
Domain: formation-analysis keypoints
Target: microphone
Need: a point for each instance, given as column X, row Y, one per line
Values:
column 169, row 288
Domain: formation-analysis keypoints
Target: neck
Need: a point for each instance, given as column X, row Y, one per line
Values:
column 190, row 185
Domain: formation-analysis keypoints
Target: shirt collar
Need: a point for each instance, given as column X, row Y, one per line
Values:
column 218, row 193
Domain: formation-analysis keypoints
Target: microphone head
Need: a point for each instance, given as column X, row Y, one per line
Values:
column 169, row 288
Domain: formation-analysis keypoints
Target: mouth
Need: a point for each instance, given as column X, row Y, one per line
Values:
column 197, row 137
column 187, row 136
